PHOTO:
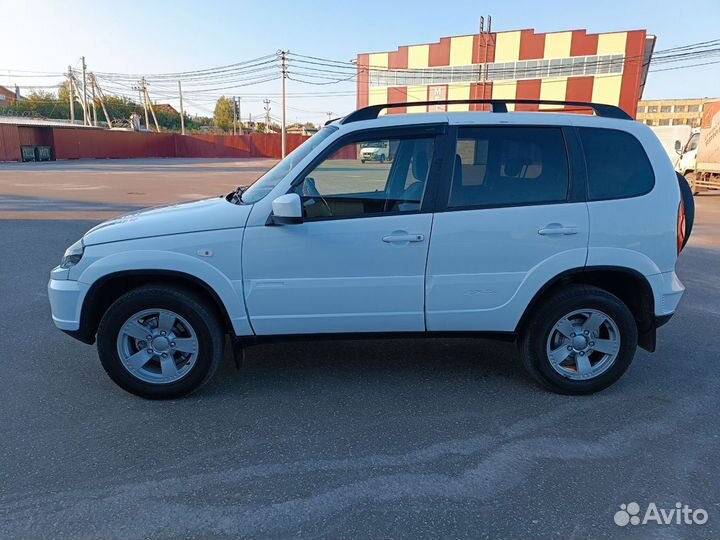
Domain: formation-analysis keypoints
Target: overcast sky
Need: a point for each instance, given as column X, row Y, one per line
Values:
column 155, row 36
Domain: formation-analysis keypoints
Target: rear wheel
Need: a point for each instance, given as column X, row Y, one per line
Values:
column 160, row 342
column 579, row 341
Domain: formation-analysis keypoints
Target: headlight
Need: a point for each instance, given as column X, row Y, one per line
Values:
column 73, row 254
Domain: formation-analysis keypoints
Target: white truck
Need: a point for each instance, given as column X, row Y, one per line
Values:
column 669, row 135
column 699, row 160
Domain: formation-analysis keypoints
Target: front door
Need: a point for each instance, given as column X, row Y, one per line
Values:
column 511, row 221
column 357, row 262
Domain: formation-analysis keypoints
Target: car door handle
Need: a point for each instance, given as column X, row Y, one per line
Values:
column 555, row 229
column 403, row 237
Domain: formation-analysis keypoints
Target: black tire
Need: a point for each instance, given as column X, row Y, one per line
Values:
column 534, row 338
column 687, row 190
column 362, row 161
column 382, row 158
column 183, row 302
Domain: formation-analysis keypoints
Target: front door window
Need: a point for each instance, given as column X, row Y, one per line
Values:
column 367, row 178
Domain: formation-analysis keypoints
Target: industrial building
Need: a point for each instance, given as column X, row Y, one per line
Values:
column 522, row 64
column 672, row 112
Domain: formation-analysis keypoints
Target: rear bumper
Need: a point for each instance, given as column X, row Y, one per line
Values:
column 667, row 290
column 662, row 320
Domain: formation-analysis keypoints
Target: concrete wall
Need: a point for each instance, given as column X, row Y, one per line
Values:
column 79, row 143
column 9, row 143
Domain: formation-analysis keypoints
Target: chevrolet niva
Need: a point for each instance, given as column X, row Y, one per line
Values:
column 558, row 230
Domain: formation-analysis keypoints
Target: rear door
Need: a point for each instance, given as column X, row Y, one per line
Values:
column 513, row 218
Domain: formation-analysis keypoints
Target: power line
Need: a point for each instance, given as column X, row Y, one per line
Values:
column 685, row 67
column 181, row 74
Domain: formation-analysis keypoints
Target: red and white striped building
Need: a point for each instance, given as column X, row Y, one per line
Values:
column 572, row 66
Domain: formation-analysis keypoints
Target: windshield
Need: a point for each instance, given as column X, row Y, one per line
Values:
column 374, row 144
column 267, row 182
column 693, row 142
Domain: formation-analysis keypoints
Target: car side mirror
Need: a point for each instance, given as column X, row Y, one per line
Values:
column 678, row 147
column 287, row 209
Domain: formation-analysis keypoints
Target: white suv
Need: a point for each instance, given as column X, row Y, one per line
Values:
column 558, row 230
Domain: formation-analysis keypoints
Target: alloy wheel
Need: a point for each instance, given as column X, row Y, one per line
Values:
column 583, row 344
column 157, row 346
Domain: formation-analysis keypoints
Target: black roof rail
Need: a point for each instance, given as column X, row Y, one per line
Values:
column 496, row 105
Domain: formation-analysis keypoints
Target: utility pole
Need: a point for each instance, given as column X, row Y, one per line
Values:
column 85, row 108
column 71, row 91
column 148, row 103
column 143, row 98
column 182, row 111
column 239, row 115
column 92, row 91
column 234, row 103
column 283, row 70
column 101, row 95
column 267, row 115
column 329, row 115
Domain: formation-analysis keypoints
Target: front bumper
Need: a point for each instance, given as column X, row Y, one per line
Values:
column 65, row 303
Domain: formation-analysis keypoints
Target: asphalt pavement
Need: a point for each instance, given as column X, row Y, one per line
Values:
column 386, row 439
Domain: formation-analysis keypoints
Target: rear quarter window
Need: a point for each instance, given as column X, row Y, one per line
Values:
column 617, row 165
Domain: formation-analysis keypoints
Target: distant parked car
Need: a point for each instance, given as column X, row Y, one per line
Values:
column 375, row 151
column 559, row 231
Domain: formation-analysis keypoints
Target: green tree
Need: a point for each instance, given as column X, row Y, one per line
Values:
column 64, row 92
column 52, row 106
column 223, row 115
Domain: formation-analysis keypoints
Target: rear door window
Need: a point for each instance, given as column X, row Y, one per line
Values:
column 617, row 165
column 509, row 166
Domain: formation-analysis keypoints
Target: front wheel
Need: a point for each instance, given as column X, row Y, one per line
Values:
column 580, row 341
column 691, row 178
column 160, row 342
